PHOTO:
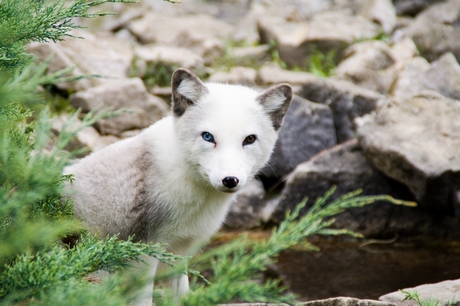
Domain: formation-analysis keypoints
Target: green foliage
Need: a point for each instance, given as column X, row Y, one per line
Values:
column 414, row 296
column 236, row 266
column 26, row 21
column 322, row 65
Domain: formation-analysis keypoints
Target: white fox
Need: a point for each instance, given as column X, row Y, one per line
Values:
column 174, row 182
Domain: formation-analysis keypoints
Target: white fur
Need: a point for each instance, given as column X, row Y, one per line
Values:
column 177, row 173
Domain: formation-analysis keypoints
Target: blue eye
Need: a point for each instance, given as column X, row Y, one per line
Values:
column 207, row 137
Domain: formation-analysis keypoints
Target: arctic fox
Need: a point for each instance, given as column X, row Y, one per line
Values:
column 174, row 182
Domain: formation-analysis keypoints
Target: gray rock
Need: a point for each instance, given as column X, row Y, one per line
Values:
column 245, row 213
column 446, row 292
column 87, row 138
column 103, row 142
column 347, row 168
column 337, row 301
column 186, row 31
column 94, row 55
column 382, row 12
column 236, row 75
column 250, row 55
column 346, row 100
column 416, row 141
column 437, row 30
column 269, row 75
column 410, row 7
column 444, row 76
column 368, row 64
column 128, row 93
column 411, row 78
column 346, row 301
column 308, row 128
column 150, row 58
column 325, row 32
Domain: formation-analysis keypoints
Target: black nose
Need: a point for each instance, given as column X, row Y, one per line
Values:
column 230, row 181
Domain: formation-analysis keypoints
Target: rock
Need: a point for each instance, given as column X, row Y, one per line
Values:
column 347, row 301
column 368, row 64
column 236, row 75
column 245, row 213
column 410, row 7
column 308, row 128
column 186, row 31
column 269, row 75
column 86, row 138
column 382, row 12
column 346, row 167
column 150, row 58
column 248, row 56
column 325, row 32
column 446, row 293
column 93, row 55
column 403, row 51
column 346, row 100
column 130, row 94
column 416, row 141
column 436, row 30
column 411, row 78
column 444, row 76
column 103, row 142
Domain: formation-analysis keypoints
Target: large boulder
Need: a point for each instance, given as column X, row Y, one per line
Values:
column 103, row 56
column 437, row 30
column 325, row 32
column 346, row 100
column 131, row 94
column 154, row 60
column 369, row 64
column 184, row 31
column 346, row 167
column 444, row 76
column 416, row 142
column 308, row 128
column 445, row 293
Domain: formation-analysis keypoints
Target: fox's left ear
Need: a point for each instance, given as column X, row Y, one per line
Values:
column 187, row 89
column 276, row 101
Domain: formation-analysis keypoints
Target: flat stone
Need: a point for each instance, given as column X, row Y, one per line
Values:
column 104, row 56
column 382, row 12
column 444, row 76
column 435, row 30
column 446, row 293
column 186, row 31
column 368, row 64
column 150, row 58
column 236, row 75
column 130, row 94
column 325, row 32
column 416, row 142
column 269, row 75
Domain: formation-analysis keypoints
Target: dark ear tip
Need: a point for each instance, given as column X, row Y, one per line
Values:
column 287, row 90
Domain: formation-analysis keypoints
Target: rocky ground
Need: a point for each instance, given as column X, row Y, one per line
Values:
column 386, row 119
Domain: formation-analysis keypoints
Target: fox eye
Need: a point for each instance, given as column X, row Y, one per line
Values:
column 207, row 137
column 249, row 140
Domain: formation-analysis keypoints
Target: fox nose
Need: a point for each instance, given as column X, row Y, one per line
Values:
column 230, row 181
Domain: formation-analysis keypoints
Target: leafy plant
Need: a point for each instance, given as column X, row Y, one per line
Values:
column 322, row 65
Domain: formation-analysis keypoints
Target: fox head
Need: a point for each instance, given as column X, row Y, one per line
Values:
column 226, row 133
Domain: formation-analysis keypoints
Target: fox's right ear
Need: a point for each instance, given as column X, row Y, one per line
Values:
column 187, row 89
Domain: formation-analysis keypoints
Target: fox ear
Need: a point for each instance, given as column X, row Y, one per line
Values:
column 187, row 88
column 276, row 101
